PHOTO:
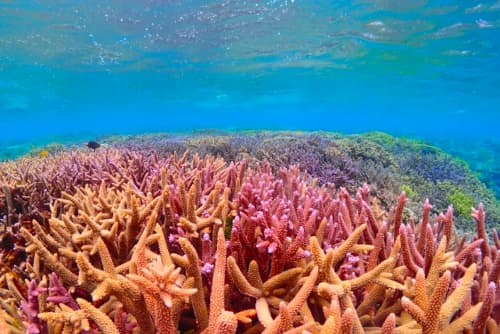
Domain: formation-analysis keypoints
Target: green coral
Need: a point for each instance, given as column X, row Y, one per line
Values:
column 462, row 202
column 410, row 193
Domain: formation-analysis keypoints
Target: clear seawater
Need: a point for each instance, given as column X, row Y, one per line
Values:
column 426, row 69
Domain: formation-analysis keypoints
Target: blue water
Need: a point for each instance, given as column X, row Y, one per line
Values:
column 416, row 68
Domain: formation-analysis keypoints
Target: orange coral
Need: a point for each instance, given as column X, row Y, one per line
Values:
column 205, row 247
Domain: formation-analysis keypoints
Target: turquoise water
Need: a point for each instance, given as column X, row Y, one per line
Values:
column 83, row 68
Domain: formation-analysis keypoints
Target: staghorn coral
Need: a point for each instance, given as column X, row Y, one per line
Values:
column 144, row 251
column 387, row 163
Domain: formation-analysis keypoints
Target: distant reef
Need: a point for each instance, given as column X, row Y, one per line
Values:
column 247, row 232
column 387, row 164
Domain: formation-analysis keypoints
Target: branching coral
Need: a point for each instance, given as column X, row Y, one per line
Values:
column 193, row 244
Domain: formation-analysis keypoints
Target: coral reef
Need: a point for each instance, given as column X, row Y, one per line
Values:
column 436, row 175
column 121, row 241
column 389, row 164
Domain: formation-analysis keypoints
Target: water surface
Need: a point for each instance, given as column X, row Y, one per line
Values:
column 416, row 68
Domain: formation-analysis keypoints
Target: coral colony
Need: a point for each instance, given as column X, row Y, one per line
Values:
column 119, row 241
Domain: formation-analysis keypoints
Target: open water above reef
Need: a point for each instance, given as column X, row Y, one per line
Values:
column 414, row 68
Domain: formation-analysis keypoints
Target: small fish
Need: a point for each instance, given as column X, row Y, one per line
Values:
column 43, row 153
column 93, row 145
